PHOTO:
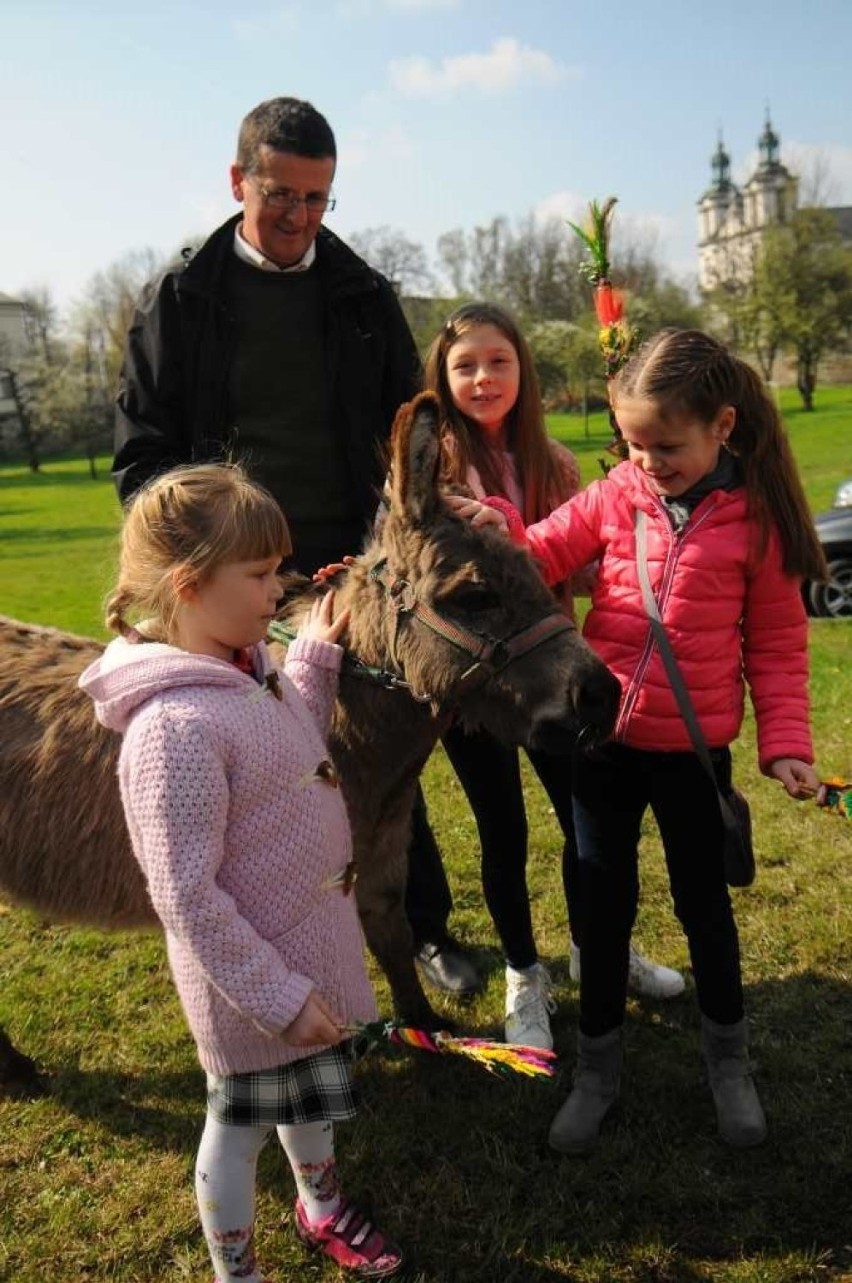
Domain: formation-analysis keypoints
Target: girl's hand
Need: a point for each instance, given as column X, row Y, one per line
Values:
column 320, row 624
column 315, row 1026
column 478, row 514
column 323, row 573
column 799, row 779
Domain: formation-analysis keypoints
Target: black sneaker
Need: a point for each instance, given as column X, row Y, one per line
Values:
column 448, row 966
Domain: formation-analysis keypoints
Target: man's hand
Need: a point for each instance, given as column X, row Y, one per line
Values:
column 322, row 574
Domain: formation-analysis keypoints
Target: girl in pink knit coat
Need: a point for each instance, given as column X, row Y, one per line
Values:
column 238, row 823
column 729, row 538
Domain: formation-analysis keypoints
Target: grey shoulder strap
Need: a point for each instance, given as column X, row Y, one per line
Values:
column 673, row 672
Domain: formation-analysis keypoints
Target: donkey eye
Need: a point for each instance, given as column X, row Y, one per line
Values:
column 472, row 597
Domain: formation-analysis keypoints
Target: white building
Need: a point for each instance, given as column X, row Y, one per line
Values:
column 732, row 220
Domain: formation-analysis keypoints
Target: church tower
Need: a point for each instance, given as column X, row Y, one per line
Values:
column 714, row 206
column 732, row 221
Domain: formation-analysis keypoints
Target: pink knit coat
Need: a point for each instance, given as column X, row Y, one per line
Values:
column 240, row 836
column 728, row 614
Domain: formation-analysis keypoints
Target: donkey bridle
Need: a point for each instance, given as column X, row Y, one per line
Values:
column 490, row 655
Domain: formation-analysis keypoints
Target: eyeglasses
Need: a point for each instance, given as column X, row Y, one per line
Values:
column 285, row 199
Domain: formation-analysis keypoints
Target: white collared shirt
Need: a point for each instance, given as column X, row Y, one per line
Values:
column 249, row 254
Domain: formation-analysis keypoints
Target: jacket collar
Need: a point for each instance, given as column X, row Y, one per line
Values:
column 342, row 271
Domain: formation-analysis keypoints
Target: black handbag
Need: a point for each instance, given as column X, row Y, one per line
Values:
column 736, row 817
column 738, row 850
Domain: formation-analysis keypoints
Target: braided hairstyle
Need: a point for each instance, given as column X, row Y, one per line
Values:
column 178, row 529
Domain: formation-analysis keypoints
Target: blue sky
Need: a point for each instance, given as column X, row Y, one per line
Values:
column 120, row 119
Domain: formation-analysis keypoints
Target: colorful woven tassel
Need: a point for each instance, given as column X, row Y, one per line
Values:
column 497, row 1057
column 835, row 795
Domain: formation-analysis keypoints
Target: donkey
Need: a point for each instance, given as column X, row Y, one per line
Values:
column 446, row 622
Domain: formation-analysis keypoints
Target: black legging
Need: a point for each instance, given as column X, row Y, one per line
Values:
column 614, row 787
column 490, row 775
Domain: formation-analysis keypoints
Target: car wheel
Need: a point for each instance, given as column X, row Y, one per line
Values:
column 833, row 599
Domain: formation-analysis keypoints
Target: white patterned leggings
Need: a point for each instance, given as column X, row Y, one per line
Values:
column 225, row 1180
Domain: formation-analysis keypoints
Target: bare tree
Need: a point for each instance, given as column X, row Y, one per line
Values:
column 817, row 185
column 42, row 319
column 107, row 305
column 402, row 261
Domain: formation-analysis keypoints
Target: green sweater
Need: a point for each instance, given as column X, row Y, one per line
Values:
column 279, row 394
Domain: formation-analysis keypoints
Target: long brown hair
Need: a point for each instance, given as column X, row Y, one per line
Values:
column 541, row 480
column 688, row 372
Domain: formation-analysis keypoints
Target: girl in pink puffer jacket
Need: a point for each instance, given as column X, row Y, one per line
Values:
column 729, row 539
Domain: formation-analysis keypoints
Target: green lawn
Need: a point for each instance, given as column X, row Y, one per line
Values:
column 96, row 1179
column 58, row 543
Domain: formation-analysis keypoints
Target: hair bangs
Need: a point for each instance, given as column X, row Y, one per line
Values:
column 253, row 529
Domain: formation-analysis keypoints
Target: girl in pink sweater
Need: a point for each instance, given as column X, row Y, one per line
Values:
column 237, row 820
column 729, row 539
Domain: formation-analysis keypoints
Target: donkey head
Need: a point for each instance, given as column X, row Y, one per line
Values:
column 465, row 619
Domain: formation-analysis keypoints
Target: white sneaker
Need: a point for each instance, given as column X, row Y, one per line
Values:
column 651, row 979
column 529, row 1006
column 645, row 978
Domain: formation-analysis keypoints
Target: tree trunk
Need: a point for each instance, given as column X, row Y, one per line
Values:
column 28, row 437
column 806, row 378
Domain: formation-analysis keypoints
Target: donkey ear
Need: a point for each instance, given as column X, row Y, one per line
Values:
column 415, row 453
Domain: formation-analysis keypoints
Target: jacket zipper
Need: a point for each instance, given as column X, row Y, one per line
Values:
column 676, row 543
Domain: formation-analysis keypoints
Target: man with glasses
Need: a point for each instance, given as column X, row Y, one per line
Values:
column 275, row 344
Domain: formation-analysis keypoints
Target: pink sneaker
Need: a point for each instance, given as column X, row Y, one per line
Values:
column 351, row 1240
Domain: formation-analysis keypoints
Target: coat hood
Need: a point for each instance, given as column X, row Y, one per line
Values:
column 129, row 673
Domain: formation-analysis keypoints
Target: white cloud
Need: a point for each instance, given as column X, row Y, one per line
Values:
column 506, row 65
column 274, row 23
column 560, row 205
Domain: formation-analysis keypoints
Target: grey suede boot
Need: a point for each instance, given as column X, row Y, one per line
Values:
column 597, row 1078
column 738, row 1109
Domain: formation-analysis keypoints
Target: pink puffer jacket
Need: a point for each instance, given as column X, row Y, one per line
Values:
column 728, row 614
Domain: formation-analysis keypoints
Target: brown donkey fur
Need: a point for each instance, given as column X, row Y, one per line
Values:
column 64, row 848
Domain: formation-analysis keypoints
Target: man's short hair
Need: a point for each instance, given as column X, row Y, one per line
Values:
column 284, row 124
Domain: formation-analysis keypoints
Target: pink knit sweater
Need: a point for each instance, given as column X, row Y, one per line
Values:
column 239, row 836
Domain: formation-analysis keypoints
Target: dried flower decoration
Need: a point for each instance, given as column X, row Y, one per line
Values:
column 616, row 336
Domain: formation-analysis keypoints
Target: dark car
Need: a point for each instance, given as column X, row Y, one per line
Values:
column 834, row 529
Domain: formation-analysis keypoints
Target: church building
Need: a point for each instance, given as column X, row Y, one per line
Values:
column 732, row 220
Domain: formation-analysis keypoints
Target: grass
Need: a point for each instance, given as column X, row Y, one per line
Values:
column 97, row 1177
column 58, row 543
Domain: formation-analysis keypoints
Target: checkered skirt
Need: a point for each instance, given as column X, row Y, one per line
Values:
column 318, row 1088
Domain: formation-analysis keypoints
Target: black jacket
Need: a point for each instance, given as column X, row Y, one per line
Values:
column 172, row 404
